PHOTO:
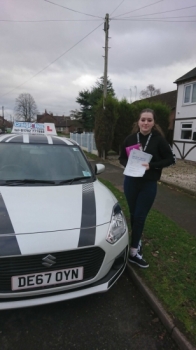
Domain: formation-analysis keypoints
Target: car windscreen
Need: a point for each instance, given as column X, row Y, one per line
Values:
column 42, row 162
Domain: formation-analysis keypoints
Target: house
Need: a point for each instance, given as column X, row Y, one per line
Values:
column 5, row 124
column 63, row 124
column 184, row 143
column 169, row 98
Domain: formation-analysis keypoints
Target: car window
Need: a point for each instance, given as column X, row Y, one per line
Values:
column 42, row 162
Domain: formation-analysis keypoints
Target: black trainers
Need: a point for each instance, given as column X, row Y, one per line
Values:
column 137, row 259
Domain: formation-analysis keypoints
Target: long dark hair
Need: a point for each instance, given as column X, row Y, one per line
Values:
column 156, row 127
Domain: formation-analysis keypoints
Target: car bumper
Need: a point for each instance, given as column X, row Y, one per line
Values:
column 102, row 285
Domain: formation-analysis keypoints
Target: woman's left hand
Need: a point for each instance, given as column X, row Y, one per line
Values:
column 146, row 166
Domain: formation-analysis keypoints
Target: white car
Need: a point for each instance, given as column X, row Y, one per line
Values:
column 62, row 232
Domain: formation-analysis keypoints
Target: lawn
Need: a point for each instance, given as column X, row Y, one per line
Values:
column 171, row 253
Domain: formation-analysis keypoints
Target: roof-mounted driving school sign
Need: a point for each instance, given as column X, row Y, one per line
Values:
column 33, row 128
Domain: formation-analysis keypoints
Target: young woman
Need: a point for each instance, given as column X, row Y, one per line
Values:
column 140, row 192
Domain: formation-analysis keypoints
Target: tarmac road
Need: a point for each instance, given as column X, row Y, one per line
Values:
column 117, row 320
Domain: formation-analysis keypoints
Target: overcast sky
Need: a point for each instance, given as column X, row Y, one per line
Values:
column 53, row 52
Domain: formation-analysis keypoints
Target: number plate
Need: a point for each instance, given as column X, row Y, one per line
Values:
column 47, row 278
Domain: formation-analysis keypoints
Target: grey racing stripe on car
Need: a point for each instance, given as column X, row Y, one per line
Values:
column 38, row 139
column 57, row 141
column 88, row 220
column 8, row 244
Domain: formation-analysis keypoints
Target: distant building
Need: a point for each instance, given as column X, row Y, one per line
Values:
column 185, row 120
column 63, row 123
column 5, row 124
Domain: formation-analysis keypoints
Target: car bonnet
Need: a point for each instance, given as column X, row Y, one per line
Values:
column 34, row 209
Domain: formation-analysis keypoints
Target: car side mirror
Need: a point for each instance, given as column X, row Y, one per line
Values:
column 99, row 168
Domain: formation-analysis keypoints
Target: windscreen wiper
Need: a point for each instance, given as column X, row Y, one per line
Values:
column 27, row 181
column 70, row 181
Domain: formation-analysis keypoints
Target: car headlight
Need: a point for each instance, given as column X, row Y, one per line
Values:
column 117, row 226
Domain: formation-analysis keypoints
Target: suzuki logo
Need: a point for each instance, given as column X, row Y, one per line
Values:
column 49, row 260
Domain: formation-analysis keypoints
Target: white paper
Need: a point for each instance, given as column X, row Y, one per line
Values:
column 134, row 165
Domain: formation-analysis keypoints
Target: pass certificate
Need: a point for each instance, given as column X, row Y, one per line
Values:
column 134, row 165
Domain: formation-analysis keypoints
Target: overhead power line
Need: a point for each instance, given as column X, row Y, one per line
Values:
column 68, row 8
column 153, row 20
column 51, row 20
column 158, row 13
column 138, row 18
column 117, row 7
column 140, row 8
column 53, row 61
column 131, row 18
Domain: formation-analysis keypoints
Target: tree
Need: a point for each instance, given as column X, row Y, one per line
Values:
column 25, row 108
column 88, row 99
column 149, row 91
column 105, row 121
column 100, row 86
column 84, row 99
column 75, row 114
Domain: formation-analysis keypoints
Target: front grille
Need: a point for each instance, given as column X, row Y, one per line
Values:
column 90, row 258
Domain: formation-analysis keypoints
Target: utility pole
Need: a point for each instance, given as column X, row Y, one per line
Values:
column 105, row 76
column 135, row 87
column 3, row 116
column 106, row 30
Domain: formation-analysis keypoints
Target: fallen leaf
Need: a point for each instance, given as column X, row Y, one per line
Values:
column 154, row 254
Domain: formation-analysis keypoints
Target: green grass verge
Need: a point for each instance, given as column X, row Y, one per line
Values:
column 95, row 157
column 171, row 253
column 92, row 156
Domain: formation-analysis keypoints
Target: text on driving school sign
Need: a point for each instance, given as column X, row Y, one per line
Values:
column 34, row 128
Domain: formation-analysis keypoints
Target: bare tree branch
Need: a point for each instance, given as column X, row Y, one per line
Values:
column 75, row 114
column 26, row 108
column 149, row 91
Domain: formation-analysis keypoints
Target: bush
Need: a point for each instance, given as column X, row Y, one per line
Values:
column 123, row 125
column 162, row 112
column 128, row 114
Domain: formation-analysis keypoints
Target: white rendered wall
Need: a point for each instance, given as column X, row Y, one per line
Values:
column 184, row 113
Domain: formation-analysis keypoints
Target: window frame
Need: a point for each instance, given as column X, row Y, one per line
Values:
column 191, row 93
column 186, row 129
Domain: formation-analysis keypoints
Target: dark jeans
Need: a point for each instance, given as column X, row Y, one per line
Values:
column 140, row 195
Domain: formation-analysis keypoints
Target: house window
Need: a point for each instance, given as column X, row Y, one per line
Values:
column 190, row 93
column 186, row 131
column 194, row 94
